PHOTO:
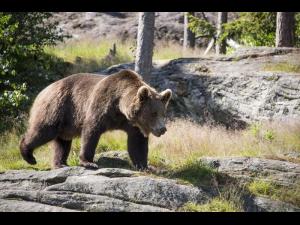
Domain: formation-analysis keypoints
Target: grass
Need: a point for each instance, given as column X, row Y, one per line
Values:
column 193, row 172
column 91, row 55
column 275, row 192
column 10, row 157
column 215, row 205
column 179, row 150
column 266, row 139
column 283, row 67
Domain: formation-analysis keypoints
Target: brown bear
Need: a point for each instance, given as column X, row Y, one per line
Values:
column 88, row 105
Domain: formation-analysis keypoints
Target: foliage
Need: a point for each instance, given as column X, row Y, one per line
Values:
column 24, row 66
column 257, row 29
column 201, row 27
column 252, row 28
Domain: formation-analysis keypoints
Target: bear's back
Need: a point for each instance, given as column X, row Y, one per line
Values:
column 60, row 97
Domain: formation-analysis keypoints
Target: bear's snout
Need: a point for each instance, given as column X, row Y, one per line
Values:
column 160, row 131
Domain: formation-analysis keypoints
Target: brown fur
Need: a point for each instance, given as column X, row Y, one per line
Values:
column 88, row 105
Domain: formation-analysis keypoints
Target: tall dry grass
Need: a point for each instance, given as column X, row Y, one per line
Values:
column 184, row 142
column 185, row 139
column 88, row 55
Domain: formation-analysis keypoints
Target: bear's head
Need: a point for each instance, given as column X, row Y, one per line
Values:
column 148, row 110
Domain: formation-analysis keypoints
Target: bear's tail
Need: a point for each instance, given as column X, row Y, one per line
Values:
column 26, row 152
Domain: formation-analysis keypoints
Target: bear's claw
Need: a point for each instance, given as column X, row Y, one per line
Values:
column 89, row 165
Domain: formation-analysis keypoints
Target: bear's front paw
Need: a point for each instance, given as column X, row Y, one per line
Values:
column 89, row 165
column 58, row 166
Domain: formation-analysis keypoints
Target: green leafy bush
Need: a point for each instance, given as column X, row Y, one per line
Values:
column 201, row 27
column 24, row 67
column 252, row 29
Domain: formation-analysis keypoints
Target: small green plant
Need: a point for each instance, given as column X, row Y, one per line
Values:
column 255, row 129
column 269, row 135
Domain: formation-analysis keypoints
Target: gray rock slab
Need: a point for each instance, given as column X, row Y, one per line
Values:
column 143, row 190
column 280, row 172
column 79, row 201
column 262, row 204
column 21, row 206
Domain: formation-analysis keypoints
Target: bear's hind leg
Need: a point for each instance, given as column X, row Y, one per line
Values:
column 33, row 139
column 61, row 152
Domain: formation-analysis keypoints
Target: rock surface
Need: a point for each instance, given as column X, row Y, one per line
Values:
column 106, row 189
column 282, row 173
column 117, row 189
column 233, row 90
column 261, row 204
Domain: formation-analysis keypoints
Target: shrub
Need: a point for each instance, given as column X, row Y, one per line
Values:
column 25, row 68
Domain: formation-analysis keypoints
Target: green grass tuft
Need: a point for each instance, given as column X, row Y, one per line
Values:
column 260, row 187
column 194, row 172
column 275, row 192
column 215, row 205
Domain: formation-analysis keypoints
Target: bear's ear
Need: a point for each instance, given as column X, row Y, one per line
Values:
column 166, row 96
column 143, row 93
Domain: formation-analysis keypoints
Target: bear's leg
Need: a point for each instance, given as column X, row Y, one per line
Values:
column 89, row 141
column 61, row 152
column 33, row 139
column 137, row 146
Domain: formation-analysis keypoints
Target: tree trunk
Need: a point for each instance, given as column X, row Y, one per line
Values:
column 145, row 39
column 221, row 46
column 285, row 29
column 188, row 35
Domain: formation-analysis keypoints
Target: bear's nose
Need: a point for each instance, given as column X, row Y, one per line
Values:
column 162, row 130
